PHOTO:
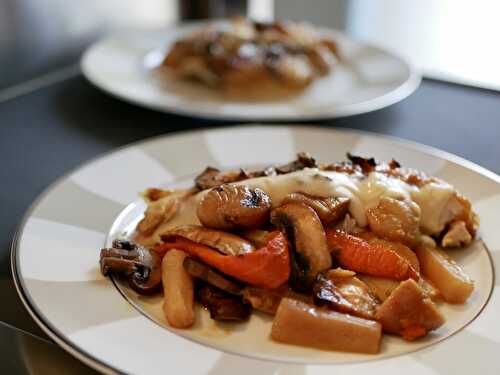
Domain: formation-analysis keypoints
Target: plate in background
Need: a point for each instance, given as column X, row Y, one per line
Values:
column 368, row 78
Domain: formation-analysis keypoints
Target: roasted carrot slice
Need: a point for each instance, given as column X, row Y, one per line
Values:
column 267, row 267
column 374, row 259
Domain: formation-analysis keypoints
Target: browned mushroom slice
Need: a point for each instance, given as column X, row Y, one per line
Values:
column 330, row 210
column 205, row 273
column 221, row 305
column 231, row 206
column 307, row 237
column 226, row 243
column 141, row 266
column 212, row 177
column 367, row 164
column 304, row 160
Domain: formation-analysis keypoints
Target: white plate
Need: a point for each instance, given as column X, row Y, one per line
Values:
column 55, row 263
column 369, row 78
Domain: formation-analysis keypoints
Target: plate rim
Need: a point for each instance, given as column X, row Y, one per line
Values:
column 104, row 367
column 394, row 96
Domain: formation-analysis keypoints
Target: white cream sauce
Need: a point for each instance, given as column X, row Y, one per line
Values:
column 363, row 193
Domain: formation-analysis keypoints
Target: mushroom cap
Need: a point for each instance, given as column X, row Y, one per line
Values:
column 141, row 266
column 231, row 206
column 310, row 254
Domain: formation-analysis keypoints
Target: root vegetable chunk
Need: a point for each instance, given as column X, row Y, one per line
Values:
column 451, row 281
column 178, row 304
column 409, row 312
column 299, row 323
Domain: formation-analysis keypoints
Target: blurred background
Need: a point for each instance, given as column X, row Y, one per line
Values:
column 449, row 40
column 65, row 121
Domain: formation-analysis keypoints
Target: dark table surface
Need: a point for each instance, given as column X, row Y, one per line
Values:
column 46, row 133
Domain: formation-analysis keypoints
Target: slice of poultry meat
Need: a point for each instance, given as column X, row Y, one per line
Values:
column 163, row 205
column 231, row 206
column 138, row 264
column 345, row 293
column 224, row 242
column 409, row 312
column 330, row 210
column 457, row 235
column 307, row 237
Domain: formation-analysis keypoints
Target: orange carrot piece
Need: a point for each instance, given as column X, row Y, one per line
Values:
column 267, row 267
column 374, row 259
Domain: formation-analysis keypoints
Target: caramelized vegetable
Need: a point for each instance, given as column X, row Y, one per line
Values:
column 267, row 267
column 299, row 323
column 373, row 259
column 409, row 312
column 178, row 304
column 222, row 306
column 231, row 206
column 453, row 283
column 345, row 294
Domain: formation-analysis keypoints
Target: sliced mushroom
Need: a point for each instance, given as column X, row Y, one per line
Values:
column 305, row 232
column 212, row 177
column 330, row 210
column 221, row 305
column 205, row 273
column 367, row 164
column 226, row 243
column 141, row 266
column 304, row 160
column 231, row 206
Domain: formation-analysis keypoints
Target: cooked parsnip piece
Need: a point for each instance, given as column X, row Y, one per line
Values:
column 178, row 304
column 453, row 284
column 409, row 312
column 382, row 287
column 299, row 323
